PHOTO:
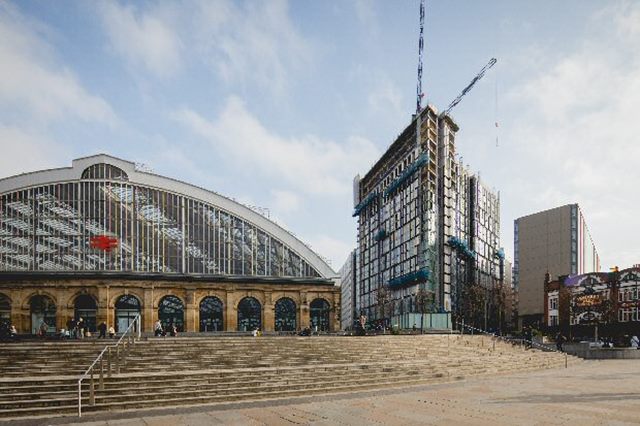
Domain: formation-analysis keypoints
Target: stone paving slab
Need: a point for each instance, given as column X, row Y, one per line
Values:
column 590, row 393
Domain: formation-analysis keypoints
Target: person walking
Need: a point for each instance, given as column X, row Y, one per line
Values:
column 157, row 329
column 112, row 332
column 635, row 342
column 103, row 330
column 560, row 339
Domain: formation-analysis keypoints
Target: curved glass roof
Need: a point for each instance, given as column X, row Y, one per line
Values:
column 97, row 216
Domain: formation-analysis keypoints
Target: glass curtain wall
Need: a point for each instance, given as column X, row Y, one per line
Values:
column 104, row 223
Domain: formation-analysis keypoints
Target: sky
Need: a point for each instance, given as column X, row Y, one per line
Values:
column 280, row 104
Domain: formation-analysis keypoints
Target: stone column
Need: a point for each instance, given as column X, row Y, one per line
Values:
column 268, row 315
column 149, row 313
column 231, row 315
column 190, row 312
column 304, row 310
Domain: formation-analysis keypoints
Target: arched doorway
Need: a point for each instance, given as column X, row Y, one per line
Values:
column 211, row 314
column 171, row 311
column 127, row 308
column 319, row 312
column 86, row 308
column 43, row 310
column 5, row 312
column 285, row 315
column 249, row 314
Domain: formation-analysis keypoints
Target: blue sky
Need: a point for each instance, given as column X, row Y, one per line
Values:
column 279, row 104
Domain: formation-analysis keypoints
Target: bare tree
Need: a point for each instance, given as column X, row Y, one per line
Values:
column 383, row 297
column 424, row 299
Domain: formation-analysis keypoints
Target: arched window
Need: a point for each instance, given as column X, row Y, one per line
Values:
column 127, row 308
column 43, row 310
column 319, row 313
column 171, row 311
column 86, row 308
column 285, row 315
column 211, row 314
column 104, row 171
column 249, row 314
column 5, row 311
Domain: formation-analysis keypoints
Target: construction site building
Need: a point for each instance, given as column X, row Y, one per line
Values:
column 425, row 222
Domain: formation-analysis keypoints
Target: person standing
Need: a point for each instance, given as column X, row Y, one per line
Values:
column 560, row 339
column 635, row 342
column 157, row 329
column 80, row 328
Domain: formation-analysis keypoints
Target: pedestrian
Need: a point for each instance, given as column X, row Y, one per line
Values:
column 157, row 329
column 414, row 328
column 13, row 333
column 43, row 329
column 112, row 332
column 560, row 339
column 103, row 330
column 173, row 330
column 80, row 328
column 72, row 327
column 635, row 343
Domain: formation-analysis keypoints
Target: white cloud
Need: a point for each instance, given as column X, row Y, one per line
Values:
column 309, row 163
column 578, row 138
column 251, row 42
column 244, row 43
column 285, row 202
column 143, row 39
column 34, row 151
column 33, row 84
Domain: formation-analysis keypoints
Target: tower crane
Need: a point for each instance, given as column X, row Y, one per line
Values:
column 466, row 90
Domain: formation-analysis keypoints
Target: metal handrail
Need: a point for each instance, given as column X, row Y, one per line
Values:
column 511, row 340
column 100, row 358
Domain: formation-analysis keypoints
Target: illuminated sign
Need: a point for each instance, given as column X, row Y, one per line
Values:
column 588, row 300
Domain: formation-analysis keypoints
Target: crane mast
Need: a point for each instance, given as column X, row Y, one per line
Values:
column 419, row 93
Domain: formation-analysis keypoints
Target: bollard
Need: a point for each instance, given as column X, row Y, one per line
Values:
column 494, row 345
column 109, row 362
column 92, row 395
column 566, row 361
column 101, row 377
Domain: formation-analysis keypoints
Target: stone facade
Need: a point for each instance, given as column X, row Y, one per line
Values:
column 64, row 292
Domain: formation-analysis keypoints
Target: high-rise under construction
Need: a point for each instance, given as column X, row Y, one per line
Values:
column 428, row 229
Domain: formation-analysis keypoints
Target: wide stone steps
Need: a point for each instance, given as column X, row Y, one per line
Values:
column 189, row 371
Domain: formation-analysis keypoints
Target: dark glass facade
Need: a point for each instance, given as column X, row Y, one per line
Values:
column 61, row 227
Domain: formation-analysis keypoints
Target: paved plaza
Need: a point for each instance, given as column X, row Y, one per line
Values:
column 591, row 393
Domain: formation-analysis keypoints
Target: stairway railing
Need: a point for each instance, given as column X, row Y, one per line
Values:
column 524, row 343
column 126, row 341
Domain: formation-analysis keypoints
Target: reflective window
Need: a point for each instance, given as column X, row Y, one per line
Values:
column 285, row 315
column 319, row 315
column 171, row 312
column 211, row 314
column 43, row 311
column 249, row 314
column 86, row 308
column 127, row 308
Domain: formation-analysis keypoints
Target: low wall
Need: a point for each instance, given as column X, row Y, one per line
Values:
column 583, row 351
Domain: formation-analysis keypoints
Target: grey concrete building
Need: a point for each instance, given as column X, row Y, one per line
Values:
column 348, row 274
column 555, row 241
